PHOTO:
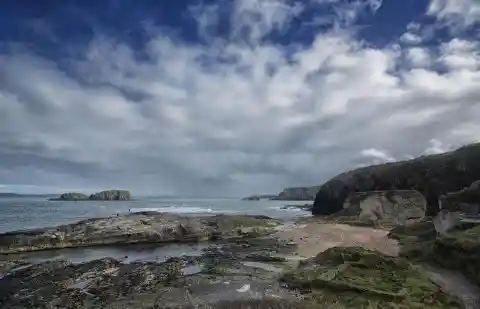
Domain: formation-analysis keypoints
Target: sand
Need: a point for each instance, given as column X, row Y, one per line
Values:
column 314, row 237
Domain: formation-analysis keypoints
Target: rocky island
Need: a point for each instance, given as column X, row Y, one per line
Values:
column 108, row 195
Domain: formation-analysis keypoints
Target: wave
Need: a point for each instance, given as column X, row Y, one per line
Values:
column 180, row 210
column 283, row 208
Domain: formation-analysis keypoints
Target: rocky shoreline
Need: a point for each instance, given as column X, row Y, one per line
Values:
column 135, row 228
column 248, row 262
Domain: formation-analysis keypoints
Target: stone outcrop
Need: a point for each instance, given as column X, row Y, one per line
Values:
column 111, row 195
column 466, row 201
column 143, row 227
column 71, row 196
column 297, row 194
column 378, row 207
column 433, row 176
column 459, row 249
column 355, row 277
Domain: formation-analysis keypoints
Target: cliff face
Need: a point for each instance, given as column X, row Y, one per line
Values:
column 432, row 176
column 466, row 200
column 385, row 206
column 111, row 195
column 298, row 194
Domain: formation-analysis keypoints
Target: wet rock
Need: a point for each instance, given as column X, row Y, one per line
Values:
column 7, row 265
column 355, row 277
column 142, row 227
column 215, row 280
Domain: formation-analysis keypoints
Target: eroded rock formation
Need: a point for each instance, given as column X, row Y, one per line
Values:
column 393, row 207
column 433, row 176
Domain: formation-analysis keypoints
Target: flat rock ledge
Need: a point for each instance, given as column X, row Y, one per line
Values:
column 239, row 274
column 134, row 228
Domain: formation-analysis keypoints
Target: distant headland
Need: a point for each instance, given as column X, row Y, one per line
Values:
column 107, row 195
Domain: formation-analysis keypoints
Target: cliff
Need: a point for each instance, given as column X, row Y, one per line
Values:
column 111, row 195
column 433, row 176
column 297, row 194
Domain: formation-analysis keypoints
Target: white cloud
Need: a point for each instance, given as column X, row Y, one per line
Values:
column 258, row 120
column 456, row 14
column 378, row 155
column 461, row 54
column 436, row 147
column 411, row 38
column 418, row 57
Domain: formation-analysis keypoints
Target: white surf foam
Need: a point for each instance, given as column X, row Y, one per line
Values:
column 281, row 208
column 180, row 209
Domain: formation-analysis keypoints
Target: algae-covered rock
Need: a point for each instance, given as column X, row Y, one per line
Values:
column 432, row 176
column 71, row 196
column 354, row 277
column 224, row 276
column 416, row 239
column 460, row 250
column 111, row 195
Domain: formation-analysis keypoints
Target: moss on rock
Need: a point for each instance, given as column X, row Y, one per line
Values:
column 356, row 277
column 459, row 250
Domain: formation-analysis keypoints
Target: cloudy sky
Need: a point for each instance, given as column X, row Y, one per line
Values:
column 229, row 98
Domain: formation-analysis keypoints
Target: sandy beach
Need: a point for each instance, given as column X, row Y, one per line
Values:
column 315, row 236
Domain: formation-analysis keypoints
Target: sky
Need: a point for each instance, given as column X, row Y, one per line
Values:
column 229, row 98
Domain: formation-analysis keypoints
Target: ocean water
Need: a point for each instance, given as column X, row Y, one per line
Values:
column 27, row 213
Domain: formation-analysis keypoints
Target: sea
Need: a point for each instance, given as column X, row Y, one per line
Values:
column 22, row 213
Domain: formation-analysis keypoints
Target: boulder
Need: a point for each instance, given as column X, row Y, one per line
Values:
column 433, row 176
column 393, row 207
column 111, row 195
column 71, row 196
